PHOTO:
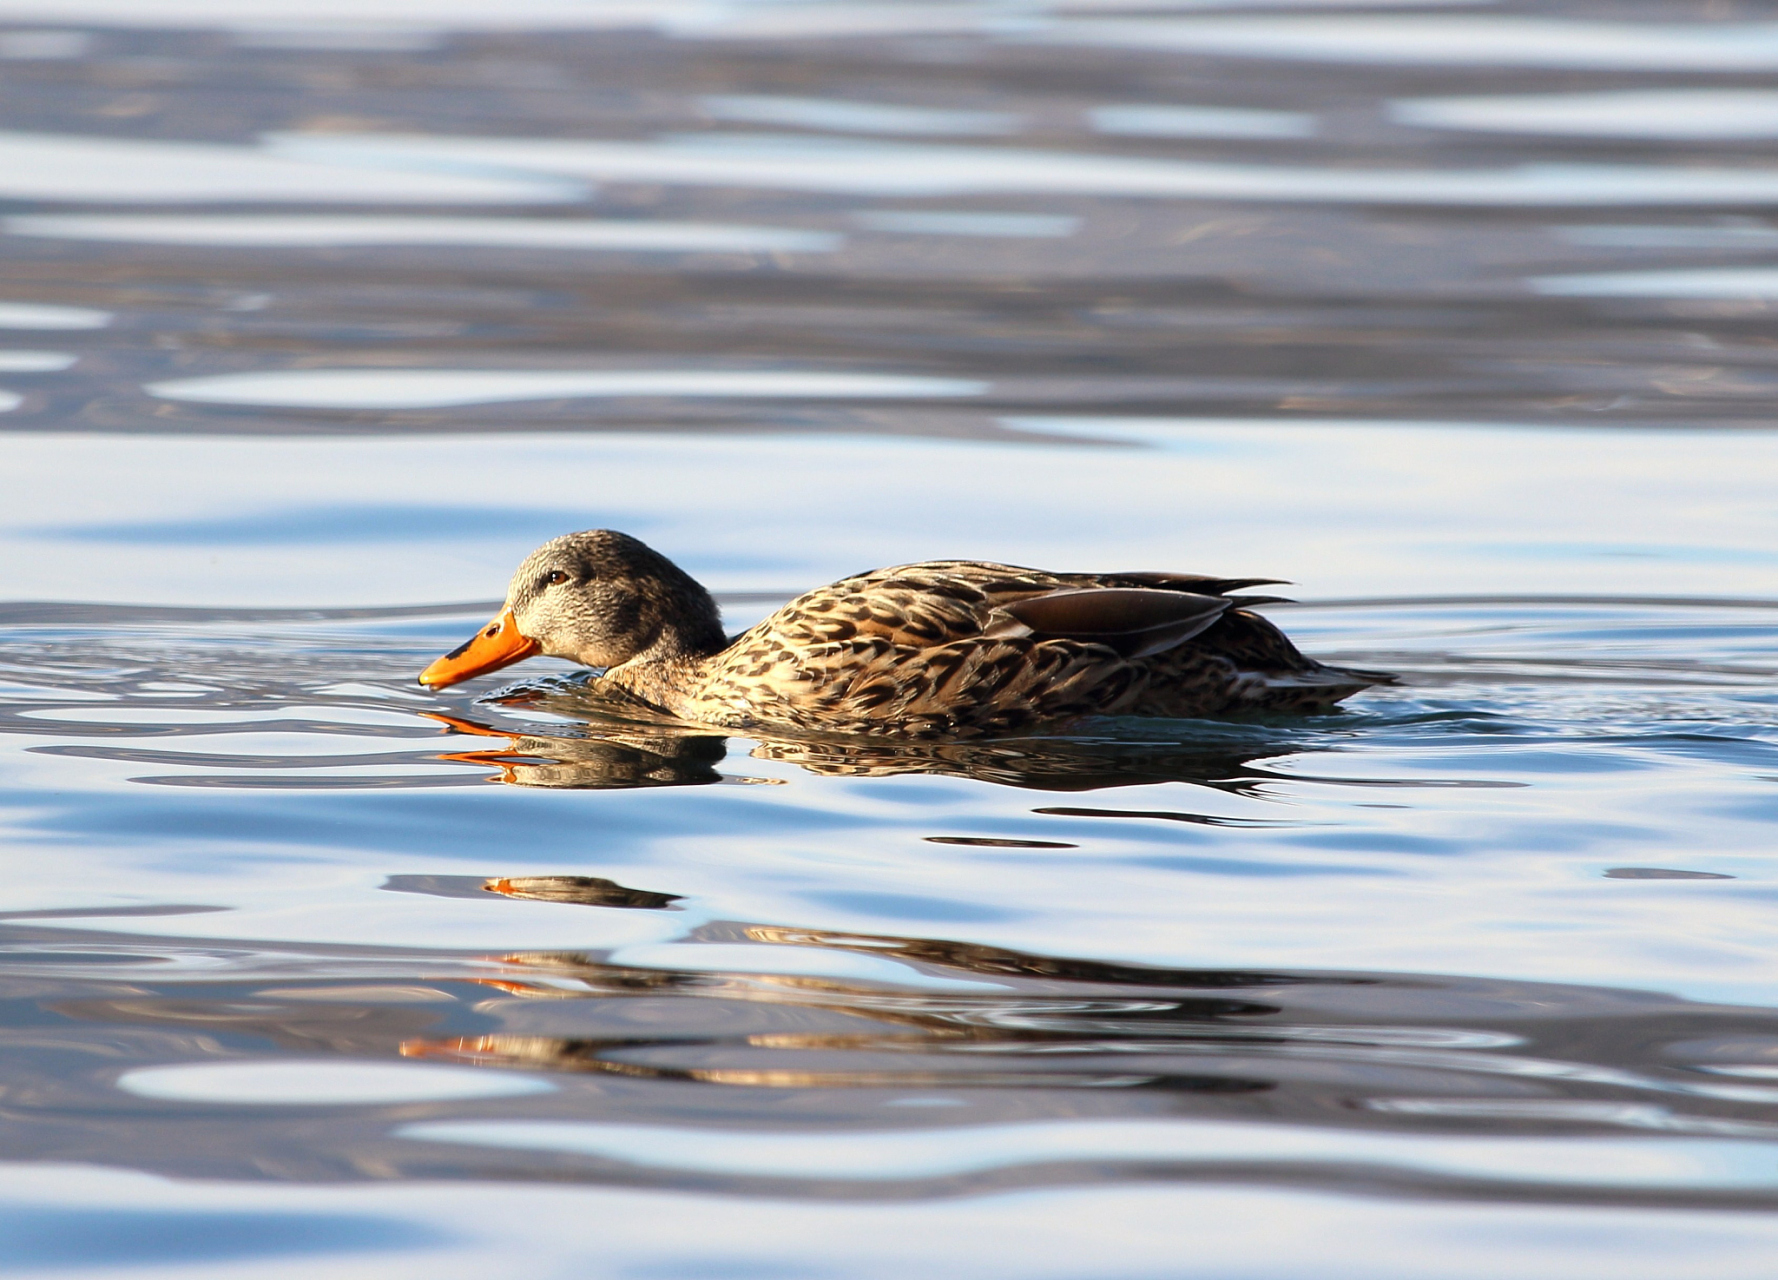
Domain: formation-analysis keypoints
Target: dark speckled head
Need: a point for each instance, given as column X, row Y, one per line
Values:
column 601, row 598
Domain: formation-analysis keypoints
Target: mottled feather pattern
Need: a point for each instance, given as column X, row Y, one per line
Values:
column 902, row 650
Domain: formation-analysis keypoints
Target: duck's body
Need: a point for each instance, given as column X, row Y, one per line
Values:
column 943, row 648
column 930, row 649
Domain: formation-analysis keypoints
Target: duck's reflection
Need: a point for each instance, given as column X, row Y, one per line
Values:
column 1049, row 1022
column 603, row 744
column 972, row 1025
column 778, row 1028
column 611, row 755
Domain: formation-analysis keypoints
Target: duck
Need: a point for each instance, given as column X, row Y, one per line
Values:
column 943, row 648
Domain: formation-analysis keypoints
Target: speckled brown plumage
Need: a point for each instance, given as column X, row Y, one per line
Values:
column 943, row 648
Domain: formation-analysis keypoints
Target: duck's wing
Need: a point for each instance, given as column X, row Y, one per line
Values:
column 924, row 606
column 1135, row 622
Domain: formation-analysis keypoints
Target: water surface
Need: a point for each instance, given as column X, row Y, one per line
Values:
column 317, row 318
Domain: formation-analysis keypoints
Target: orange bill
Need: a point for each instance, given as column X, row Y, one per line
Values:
column 496, row 645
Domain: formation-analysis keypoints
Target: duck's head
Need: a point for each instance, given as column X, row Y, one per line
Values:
column 598, row 598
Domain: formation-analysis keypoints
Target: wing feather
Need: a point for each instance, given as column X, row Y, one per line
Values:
column 1133, row 621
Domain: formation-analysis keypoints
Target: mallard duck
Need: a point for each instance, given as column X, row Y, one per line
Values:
column 943, row 648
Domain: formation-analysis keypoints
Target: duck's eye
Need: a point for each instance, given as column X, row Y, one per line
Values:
column 554, row 578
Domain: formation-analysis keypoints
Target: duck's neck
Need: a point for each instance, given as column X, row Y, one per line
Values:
column 667, row 670
column 689, row 639
column 665, row 682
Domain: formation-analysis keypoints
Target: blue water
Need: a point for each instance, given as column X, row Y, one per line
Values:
column 316, row 319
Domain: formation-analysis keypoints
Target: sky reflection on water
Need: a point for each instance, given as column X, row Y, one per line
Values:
column 858, row 167
column 1484, row 509
column 322, row 231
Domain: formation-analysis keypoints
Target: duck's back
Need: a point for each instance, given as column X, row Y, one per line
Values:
column 970, row 647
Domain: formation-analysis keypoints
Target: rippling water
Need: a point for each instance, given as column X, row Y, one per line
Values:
column 317, row 317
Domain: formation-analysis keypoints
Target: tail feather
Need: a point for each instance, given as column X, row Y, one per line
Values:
column 1196, row 583
column 1314, row 689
